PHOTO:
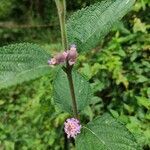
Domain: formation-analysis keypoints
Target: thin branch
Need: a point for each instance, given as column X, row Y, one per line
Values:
column 10, row 25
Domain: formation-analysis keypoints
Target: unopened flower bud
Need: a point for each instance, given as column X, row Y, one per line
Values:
column 52, row 61
column 61, row 57
column 73, row 46
column 69, row 56
column 58, row 59
column 72, row 54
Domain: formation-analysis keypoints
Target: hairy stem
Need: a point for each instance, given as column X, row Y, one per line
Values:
column 66, row 142
column 61, row 7
column 71, row 85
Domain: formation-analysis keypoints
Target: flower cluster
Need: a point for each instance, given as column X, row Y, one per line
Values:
column 72, row 127
column 62, row 57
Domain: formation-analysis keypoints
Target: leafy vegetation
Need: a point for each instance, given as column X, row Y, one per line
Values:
column 120, row 79
column 118, row 72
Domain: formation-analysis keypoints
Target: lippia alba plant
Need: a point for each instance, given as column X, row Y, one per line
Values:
column 72, row 93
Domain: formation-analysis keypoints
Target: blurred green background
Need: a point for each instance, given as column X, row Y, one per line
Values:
column 118, row 70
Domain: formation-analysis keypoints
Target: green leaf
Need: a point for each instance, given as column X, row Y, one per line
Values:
column 62, row 95
column 105, row 133
column 2, row 102
column 21, row 62
column 141, row 79
column 114, row 113
column 139, row 26
column 89, row 25
column 143, row 101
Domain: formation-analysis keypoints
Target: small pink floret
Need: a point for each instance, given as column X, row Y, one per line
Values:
column 73, row 46
column 61, row 57
column 65, row 54
column 72, row 55
column 52, row 61
column 72, row 62
column 72, row 127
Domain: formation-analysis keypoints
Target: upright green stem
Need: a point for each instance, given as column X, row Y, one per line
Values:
column 74, row 104
column 61, row 6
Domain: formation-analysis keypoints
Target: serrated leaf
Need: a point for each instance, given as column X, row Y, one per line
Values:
column 21, row 62
column 89, row 25
column 62, row 95
column 105, row 133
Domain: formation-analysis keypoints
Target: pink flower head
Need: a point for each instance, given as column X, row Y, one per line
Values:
column 72, row 127
column 72, row 55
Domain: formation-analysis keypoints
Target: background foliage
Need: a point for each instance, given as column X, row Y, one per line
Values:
column 118, row 71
